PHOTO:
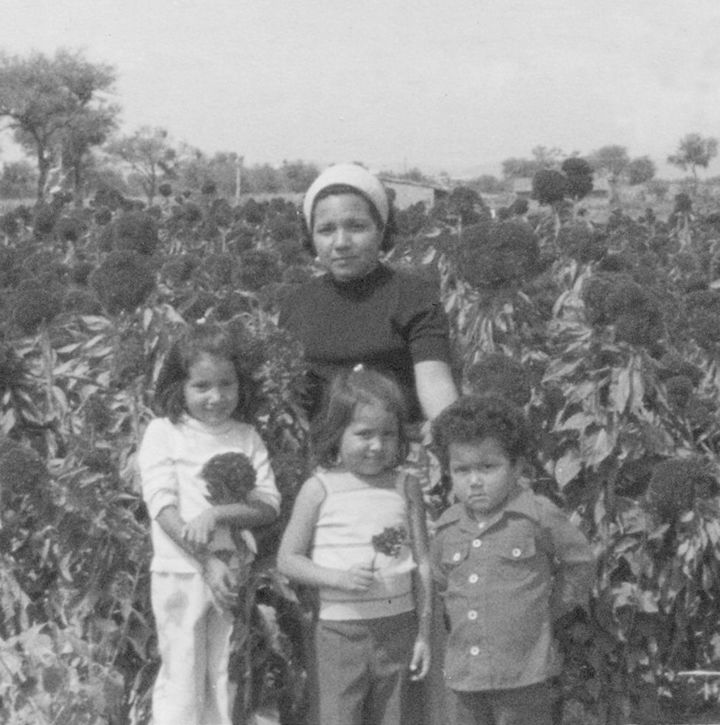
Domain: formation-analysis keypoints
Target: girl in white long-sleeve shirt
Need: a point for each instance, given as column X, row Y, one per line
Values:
column 203, row 392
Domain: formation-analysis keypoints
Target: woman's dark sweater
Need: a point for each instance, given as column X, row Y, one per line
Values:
column 388, row 321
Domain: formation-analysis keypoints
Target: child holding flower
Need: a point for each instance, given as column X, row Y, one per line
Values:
column 206, row 480
column 357, row 533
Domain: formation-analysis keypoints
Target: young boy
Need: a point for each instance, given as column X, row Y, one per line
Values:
column 508, row 564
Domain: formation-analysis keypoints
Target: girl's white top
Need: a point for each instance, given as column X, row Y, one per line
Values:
column 348, row 519
column 170, row 459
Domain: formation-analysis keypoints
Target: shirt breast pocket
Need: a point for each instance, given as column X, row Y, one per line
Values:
column 517, row 560
column 453, row 555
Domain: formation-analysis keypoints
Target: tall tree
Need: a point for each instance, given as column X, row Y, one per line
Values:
column 150, row 155
column 640, row 170
column 579, row 176
column 611, row 160
column 693, row 151
column 48, row 101
column 88, row 130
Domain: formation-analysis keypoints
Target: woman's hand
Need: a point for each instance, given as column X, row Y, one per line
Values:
column 199, row 531
column 358, row 578
column 221, row 580
column 420, row 663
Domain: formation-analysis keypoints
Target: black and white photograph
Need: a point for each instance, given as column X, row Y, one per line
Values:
column 360, row 362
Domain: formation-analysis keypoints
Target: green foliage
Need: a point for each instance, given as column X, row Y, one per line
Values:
column 499, row 373
column 151, row 156
column 694, row 151
column 640, row 170
column 579, row 175
column 497, row 254
column 55, row 101
column 622, row 368
column 122, row 281
column 549, row 186
column 135, row 231
column 467, row 204
column 18, row 180
column 606, row 333
column 612, row 160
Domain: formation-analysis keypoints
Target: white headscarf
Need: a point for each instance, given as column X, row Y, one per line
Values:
column 354, row 176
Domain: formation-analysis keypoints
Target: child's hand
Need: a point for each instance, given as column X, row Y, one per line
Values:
column 420, row 663
column 358, row 578
column 199, row 531
column 222, row 582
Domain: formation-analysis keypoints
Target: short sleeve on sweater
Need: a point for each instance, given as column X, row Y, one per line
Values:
column 424, row 323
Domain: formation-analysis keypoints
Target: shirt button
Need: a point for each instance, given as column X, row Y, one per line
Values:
column 473, row 578
column 472, row 615
column 516, row 552
column 474, row 651
column 477, row 543
column 456, row 556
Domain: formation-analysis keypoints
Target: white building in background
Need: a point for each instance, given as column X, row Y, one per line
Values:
column 407, row 193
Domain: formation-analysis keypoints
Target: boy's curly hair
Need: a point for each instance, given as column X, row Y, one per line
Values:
column 474, row 417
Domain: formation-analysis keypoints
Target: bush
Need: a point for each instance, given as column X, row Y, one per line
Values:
column 35, row 303
column 216, row 270
column 178, row 269
column 498, row 373
column 579, row 175
column 676, row 485
column 256, row 268
column 9, row 224
column 615, row 299
column 69, row 229
column 44, row 219
column 549, row 186
column 135, row 231
column 81, row 302
column 579, row 241
column 703, row 312
column 122, row 282
column 498, row 254
column 81, row 272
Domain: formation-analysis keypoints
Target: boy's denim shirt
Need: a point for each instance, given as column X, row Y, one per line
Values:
column 504, row 582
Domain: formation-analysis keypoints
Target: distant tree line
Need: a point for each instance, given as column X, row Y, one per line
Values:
column 60, row 113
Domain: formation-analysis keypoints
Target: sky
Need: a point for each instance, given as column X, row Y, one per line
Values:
column 454, row 86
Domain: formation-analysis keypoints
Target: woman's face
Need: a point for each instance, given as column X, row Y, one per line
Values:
column 346, row 237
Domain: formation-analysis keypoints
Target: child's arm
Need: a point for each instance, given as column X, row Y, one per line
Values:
column 293, row 559
column 198, row 531
column 260, row 508
column 422, row 578
column 216, row 573
column 574, row 562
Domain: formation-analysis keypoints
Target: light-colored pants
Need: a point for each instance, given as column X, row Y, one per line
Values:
column 194, row 641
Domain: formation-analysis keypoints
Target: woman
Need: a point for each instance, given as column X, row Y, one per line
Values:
column 361, row 310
